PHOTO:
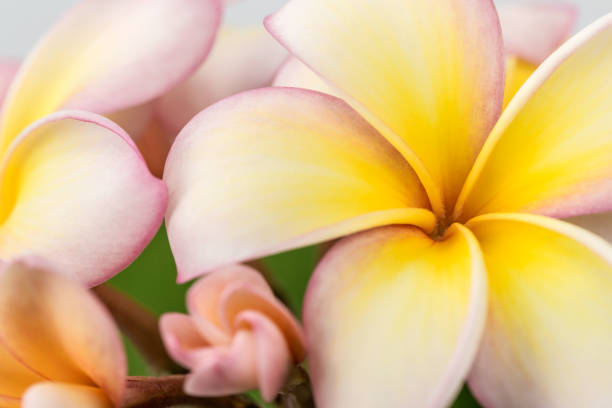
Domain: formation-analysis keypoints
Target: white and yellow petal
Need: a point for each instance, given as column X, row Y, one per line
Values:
column 550, row 153
column 393, row 318
column 76, row 191
column 427, row 74
column 279, row 168
column 547, row 338
column 108, row 55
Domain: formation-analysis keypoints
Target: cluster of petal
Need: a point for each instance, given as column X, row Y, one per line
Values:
column 59, row 348
column 237, row 336
column 75, row 189
column 410, row 132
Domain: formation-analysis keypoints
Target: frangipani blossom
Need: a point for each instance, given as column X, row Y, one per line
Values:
column 59, row 347
column 75, row 188
column 237, row 336
column 458, row 263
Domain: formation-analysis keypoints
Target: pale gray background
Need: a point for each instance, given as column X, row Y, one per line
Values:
column 23, row 21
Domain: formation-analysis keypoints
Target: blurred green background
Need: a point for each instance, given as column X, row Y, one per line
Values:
column 151, row 280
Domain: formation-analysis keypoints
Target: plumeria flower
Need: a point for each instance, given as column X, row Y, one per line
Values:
column 237, row 336
column 459, row 270
column 59, row 348
column 74, row 187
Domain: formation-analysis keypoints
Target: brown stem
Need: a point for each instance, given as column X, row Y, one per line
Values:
column 161, row 392
column 140, row 326
column 297, row 393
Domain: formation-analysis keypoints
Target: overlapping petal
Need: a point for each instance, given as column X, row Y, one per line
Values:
column 550, row 151
column 532, row 31
column 51, row 323
column 241, row 59
column 600, row 224
column 428, row 75
column 393, row 318
column 8, row 69
column 278, row 168
column 547, row 339
column 76, row 191
column 109, row 55
column 294, row 73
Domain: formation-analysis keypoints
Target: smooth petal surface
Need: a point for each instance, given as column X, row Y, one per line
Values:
column 204, row 299
column 393, row 319
column 427, row 74
column 15, row 377
column 533, row 31
column 108, row 55
column 76, row 191
column 273, row 356
column 8, row 69
column 547, row 339
column 242, row 58
column 294, row 73
column 517, row 72
column 551, row 150
column 54, row 324
column 58, row 395
column 182, row 338
column 278, row 168
column 225, row 370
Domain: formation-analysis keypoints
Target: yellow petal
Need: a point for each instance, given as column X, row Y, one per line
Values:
column 393, row 319
column 551, row 150
column 56, row 326
column 517, row 72
column 76, row 191
column 547, row 339
column 278, row 168
column 427, row 74
column 109, row 55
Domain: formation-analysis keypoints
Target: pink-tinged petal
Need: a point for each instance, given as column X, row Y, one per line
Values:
column 225, row 370
column 294, row 73
column 549, row 323
column 600, row 224
column 76, row 191
column 533, row 31
column 58, row 395
column 393, row 318
column 55, row 325
column 241, row 59
column 108, row 55
column 181, row 338
column 427, row 74
column 550, row 153
column 240, row 297
column 204, row 299
column 272, row 354
column 255, row 174
column 8, row 70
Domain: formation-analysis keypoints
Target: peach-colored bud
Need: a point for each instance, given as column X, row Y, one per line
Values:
column 58, row 345
column 237, row 335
